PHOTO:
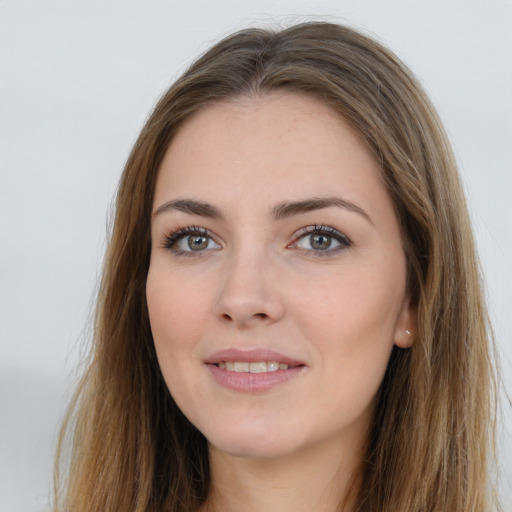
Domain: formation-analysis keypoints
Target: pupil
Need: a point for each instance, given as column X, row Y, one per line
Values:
column 320, row 242
column 196, row 243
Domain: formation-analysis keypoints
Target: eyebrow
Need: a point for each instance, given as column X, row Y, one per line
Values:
column 288, row 209
column 190, row 206
column 280, row 211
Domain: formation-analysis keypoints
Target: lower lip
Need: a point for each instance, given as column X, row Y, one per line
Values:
column 253, row 382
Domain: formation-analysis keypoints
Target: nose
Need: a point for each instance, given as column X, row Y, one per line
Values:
column 248, row 292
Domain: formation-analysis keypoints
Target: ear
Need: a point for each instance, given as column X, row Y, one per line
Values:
column 406, row 326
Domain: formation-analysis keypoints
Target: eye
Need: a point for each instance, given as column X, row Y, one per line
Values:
column 320, row 240
column 190, row 240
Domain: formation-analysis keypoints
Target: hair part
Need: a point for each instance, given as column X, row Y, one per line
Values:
column 432, row 432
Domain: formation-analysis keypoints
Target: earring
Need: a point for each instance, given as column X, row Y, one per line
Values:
column 407, row 332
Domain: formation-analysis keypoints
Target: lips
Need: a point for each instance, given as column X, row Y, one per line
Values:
column 252, row 371
column 232, row 355
column 255, row 367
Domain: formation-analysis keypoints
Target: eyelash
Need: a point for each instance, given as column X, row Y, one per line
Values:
column 320, row 229
column 171, row 239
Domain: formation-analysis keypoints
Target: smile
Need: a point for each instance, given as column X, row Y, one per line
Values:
column 252, row 367
column 252, row 371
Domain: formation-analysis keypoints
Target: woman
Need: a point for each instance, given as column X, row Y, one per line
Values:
column 290, row 314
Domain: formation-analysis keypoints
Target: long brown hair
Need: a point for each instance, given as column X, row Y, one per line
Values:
column 432, row 434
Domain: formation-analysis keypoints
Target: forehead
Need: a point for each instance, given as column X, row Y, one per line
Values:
column 265, row 148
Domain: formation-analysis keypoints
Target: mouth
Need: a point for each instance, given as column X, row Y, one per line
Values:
column 252, row 370
column 254, row 367
column 252, row 361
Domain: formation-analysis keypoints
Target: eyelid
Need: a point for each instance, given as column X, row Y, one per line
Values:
column 340, row 237
column 172, row 238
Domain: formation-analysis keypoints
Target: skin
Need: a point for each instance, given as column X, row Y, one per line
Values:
column 261, row 284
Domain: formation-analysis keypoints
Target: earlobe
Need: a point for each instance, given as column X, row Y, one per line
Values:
column 406, row 327
column 406, row 340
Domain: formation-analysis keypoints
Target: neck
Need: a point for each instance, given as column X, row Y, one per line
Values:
column 321, row 480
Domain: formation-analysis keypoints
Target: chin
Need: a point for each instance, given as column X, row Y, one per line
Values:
column 255, row 443
column 252, row 450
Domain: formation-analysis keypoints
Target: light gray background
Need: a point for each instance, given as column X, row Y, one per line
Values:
column 77, row 80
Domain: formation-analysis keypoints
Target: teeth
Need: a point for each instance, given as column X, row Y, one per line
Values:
column 258, row 367
column 240, row 367
column 272, row 366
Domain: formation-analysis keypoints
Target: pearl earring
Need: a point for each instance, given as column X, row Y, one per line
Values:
column 407, row 332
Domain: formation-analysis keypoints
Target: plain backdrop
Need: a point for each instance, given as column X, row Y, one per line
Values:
column 77, row 80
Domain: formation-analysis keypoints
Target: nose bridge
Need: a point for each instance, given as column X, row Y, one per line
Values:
column 248, row 292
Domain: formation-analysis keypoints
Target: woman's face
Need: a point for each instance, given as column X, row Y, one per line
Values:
column 277, row 282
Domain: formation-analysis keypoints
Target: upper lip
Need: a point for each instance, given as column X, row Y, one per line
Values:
column 251, row 356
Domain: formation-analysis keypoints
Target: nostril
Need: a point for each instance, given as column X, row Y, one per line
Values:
column 229, row 318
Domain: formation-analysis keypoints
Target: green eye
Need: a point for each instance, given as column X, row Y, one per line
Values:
column 320, row 240
column 197, row 242
column 187, row 241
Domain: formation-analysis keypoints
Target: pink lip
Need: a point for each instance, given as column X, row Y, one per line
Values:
column 252, row 382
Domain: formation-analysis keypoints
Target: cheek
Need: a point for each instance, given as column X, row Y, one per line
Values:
column 352, row 327
column 353, row 308
column 177, row 312
column 174, row 304
column 350, row 318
